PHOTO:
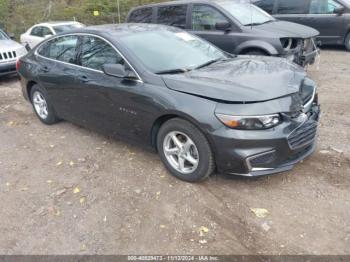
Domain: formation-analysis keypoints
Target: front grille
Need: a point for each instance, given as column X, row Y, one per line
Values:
column 303, row 135
column 9, row 55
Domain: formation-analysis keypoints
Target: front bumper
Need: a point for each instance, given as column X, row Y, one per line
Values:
column 7, row 68
column 309, row 58
column 263, row 152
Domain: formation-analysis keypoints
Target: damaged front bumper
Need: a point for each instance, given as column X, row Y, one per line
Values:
column 305, row 54
column 257, row 153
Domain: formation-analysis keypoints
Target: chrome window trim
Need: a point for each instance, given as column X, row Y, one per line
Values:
column 87, row 34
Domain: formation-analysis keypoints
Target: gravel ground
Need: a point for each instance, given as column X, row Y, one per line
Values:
column 66, row 190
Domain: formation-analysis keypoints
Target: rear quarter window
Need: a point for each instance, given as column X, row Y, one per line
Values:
column 142, row 15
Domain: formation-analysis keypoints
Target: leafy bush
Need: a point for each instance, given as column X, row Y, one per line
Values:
column 16, row 16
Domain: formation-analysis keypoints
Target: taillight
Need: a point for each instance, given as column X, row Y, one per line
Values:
column 18, row 63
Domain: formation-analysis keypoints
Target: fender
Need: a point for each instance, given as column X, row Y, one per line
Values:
column 257, row 44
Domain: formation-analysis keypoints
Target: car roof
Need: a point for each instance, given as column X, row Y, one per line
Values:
column 55, row 23
column 177, row 2
column 125, row 28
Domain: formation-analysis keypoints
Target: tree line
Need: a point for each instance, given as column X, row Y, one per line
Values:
column 16, row 16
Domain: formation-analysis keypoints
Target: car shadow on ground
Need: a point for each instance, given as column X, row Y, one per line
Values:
column 8, row 79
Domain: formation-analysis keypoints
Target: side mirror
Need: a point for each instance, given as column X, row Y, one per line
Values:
column 116, row 70
column 223, row 26
column 339, row 10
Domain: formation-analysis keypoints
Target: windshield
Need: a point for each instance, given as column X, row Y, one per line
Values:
column 163, row 50
column 3, row 36
column 247, row 14
column 63, row 28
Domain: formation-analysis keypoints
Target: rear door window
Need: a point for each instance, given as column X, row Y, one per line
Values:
column 96, row 52
column 323, row 6
column 37, row 31
column 62, row 49
column 46, row 31
column 205, row 18
column 266, row 5
column 142, row 15
column 173, row 15
column 291, row 6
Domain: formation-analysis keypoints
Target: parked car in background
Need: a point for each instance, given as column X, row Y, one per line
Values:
column 40, row 32
column 235, row 27
column 10, row 51
column 330, row 17
column 201, row 108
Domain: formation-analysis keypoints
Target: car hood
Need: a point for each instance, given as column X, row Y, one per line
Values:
column 243, row 79
column 288, row 29
column 9, row 45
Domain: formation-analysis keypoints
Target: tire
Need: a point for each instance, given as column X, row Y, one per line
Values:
column 347, row 41
column 42, row 106
column 195, row 147
column 256, row 53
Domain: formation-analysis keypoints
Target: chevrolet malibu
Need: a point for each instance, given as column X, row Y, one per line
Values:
column 202, row 110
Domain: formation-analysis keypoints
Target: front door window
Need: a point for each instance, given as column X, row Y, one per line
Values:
column 97, row 52
column 323, row 6
column 205, row 18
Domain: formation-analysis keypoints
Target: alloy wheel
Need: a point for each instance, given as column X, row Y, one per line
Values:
column 181, row 152
column 40, row 105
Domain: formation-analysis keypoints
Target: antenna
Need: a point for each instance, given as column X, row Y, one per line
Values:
column 251, row 15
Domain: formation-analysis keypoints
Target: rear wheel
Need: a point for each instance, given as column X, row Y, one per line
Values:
column 185, row 151
column 42, row 106
column 347, row 42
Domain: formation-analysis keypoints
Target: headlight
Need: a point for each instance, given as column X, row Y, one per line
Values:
column 290, row 43
column 250, row 122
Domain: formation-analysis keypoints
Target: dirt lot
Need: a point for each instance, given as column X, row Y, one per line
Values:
column 128, row 203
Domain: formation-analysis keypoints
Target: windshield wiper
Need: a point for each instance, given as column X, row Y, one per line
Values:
column 254, row 24
column 268, row 21
column 211, row 62
column 184, row 70
column 173, row 71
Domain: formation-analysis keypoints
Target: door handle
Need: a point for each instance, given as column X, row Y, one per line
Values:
column 84, row 79
column 45, row 69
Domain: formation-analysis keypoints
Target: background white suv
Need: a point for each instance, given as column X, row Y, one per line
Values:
column 40, row 32
column 10, row 51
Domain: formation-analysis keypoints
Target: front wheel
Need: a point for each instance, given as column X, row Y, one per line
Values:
column 185, row 151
